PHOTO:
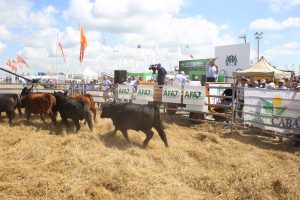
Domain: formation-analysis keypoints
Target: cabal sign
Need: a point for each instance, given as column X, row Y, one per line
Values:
column 171, row 94
column 144, row 92
column 271, row 110
column 124, row 92
column 194, row 95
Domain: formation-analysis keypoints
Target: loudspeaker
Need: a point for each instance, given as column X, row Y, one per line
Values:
column 120, row 76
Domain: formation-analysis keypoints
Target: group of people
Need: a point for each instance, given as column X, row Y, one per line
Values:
column 282, row 84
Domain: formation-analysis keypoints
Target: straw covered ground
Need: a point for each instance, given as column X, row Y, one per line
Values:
column 40, row 161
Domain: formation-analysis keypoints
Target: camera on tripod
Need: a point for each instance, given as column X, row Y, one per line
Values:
column 153, row 68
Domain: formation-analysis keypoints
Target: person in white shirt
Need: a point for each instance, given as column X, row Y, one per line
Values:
column 281, row 85
column 212, row 70
column 181, row 79
column 106, row 85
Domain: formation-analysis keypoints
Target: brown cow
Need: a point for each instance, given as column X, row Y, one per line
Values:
column 38, row 103
column 89, row 100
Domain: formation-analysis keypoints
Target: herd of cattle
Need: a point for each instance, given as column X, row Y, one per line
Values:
column 125, row 116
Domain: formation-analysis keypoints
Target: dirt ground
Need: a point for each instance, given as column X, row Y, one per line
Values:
column 40, row 161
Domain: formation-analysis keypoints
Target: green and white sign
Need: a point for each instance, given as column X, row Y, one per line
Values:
column 192, row 65
column 273, row 110
column 194, row 95
column 145, row 93
column 171, row 94
column 125, row 92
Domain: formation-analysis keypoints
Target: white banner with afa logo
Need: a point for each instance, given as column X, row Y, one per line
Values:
column 171, row 94
column 194, row 95
column 125, row 92
column 144, row 93
column 275, row 110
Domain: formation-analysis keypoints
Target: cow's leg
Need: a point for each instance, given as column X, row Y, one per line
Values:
column 149, row 135
column 19, row 110
column 53, row 117
column 125, row 134
column 42, row 115
column 76, row 122
column 162, row 135
column 95, row 114
column 28, row 114
column 10, row 116
column 64, row 120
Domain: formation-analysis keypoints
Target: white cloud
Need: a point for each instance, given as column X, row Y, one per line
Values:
column 2, row 46
column 287, row 49
column 44, row 17
column 282, row 5
column 272, row 24
column 4, row 33
column 125, row 24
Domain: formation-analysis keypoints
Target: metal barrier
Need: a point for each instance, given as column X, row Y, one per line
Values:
column 225, row 109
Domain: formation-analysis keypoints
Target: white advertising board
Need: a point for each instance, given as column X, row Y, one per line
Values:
column 171, row 94
column 194, row 95
column 125, row 91
column 233, row 58
column 144, row 93
column 276, row 110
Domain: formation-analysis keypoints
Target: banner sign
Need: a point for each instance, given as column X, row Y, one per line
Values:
column 194, row 95
column 145, row 92
column 275, row 110
column 125, row 92
column 171, row 94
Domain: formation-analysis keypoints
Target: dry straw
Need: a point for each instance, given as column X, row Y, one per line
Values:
column 39, row 161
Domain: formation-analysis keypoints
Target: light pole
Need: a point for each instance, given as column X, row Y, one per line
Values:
column 258, row 36
column 243, row 36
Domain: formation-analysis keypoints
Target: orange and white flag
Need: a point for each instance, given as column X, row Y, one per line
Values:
column 83, row 44
column 21, row 60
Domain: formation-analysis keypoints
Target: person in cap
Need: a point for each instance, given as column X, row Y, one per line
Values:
column 129, row 81
column 244, row 81
column 181, row 79
column 281, row 85
column 212, row 70
column 263, row 83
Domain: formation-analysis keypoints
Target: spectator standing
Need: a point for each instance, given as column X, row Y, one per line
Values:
column 161, row 74
column 181, row 79
column 281, row 85
column 106, row 85
column 212, row 70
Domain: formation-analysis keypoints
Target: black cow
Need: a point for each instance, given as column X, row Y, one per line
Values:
column 74, row 109
column 8, row 104
column 137, row 117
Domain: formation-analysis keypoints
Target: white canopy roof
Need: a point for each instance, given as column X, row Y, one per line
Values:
column 88, row 73
column 263, row 68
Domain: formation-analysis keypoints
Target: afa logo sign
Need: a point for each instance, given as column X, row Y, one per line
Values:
column 189, row 94
column 231, row 60
column 171, row 93
column 124, row 91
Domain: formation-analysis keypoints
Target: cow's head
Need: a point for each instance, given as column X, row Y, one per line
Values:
column 107, row 110
column 26, row 91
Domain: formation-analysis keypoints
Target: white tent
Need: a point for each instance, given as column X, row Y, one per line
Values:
column 88, row 74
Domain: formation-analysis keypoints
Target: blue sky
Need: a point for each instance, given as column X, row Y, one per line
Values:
column 114, row 29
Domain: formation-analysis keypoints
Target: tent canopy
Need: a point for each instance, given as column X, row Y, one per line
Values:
column 87, row 73
column 263, row 69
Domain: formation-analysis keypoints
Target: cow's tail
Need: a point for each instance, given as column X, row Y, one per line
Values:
column 88, row 116
column 158, row 125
